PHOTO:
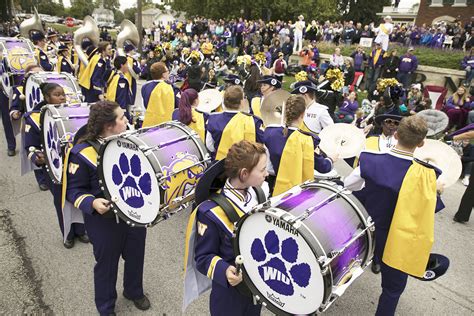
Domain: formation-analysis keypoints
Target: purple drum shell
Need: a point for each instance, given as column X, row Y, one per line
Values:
column 334, row 225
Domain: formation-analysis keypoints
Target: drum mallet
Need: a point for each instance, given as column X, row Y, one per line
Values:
column 239, row 260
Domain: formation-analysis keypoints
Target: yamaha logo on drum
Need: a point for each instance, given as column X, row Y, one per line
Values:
column 127, row 145
column 284, row 225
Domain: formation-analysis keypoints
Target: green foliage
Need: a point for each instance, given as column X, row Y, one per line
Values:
column 426, row 56
column 108, row 4
column 357, row 10
column 118, row 16
column 51, row 8
column 130, row 14
column 80, row 8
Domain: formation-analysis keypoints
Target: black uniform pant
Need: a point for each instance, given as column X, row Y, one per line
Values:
column 110, row 241
column 467, row 200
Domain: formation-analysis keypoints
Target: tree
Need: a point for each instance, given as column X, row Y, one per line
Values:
column 118, row 17
column 108, row 4
column 80, row 8
column 50, row 8
column 130, row 14
column 363, row 11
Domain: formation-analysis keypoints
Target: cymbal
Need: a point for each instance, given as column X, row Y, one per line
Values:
column 209, row 100
column 442, row 156
column 342, row 139
column 436, row 120
column 272, row 107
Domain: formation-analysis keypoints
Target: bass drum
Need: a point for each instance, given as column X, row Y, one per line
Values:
column 33, row 93
column 303, row 248
column 151, row 173
column 16, row 54
column 59, row 124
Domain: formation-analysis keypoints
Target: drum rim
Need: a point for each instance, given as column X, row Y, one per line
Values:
column 105, row 190
column 304, row 233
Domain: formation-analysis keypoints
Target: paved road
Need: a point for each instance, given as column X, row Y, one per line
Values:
column 37, row 274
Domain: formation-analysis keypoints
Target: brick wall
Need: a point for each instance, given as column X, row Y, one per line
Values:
column 426, row 14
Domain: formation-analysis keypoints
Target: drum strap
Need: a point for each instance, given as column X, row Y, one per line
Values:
column 229, row 210
column 94, row 145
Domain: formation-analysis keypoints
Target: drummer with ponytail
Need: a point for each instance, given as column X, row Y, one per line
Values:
column 52, row 94
column 293, row 158
column 188, row 115
column 111, row 237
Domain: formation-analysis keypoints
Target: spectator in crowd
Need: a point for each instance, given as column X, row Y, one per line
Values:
column 279, row 67
column 307, row 55
column 336, row 60
column 457, row 108
column 359, row 58
column 391, row 63
column 467, row 64
column 414, row 99
column 348, row 109
column 287, row 49
column 374, row 67
column 408, row 65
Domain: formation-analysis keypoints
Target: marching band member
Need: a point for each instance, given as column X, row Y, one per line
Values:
column 111, row 237
column 93, row 80
column 268, row 84
column 64, row 62
column 320, row 112
column 134, row 65
column 385, row 141
column 53, row 94
column 210, row 228
column 158, row 96
column 293, row 150
column 90, row 50
column 40, row 54
column 7, row 124
column 232, row 125
column 394, row 185
column 188, row 115
column 118, row 87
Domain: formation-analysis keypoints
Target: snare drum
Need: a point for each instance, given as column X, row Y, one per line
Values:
column 303, row 248
column 151, row 173
column 59, row 124
column 16, row 54
column 33, row 93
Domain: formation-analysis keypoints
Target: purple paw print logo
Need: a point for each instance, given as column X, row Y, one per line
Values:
column 54, row 146
column 133, row 184
column 35, row 96
column 279, row 268
column 3, row 72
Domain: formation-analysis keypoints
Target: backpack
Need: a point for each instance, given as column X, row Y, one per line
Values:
column 279, row 66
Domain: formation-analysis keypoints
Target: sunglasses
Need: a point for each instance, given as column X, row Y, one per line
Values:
column 390, row 121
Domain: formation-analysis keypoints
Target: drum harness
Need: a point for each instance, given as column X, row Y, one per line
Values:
column 230, row 212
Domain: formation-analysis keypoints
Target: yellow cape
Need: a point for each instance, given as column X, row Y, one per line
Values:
column 199, row 126
column 411, row 233
column 86, row 74
column 297, row 162
column 160, row 106
column 256, row 104
column 112, row 87
column 240, row 127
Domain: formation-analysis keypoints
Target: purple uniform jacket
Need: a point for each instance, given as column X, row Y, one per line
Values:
column 379, row 62
column 217, row 122
column 82, row 180
column 408, row 63
column 275, row 142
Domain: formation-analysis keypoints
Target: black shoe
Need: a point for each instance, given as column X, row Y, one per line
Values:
column 375, row 268
column 69, row 243
column 84, row 238
column 11, row 152
column 43, row 187
column 112, row 314
column 141, row 303
column 458, row 220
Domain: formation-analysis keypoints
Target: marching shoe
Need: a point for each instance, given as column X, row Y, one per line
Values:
column 375, row 267
column 84, row 238
column 458, row 220
column 11, row 152
column 140, row 303
column 43, row 187
column 69, row 243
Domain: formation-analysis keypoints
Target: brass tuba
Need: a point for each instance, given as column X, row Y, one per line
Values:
column 128, row 32
column 31, row 24
column 88, row 30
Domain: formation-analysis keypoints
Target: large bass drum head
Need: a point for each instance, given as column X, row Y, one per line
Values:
column 279, row 265
column 129, row 181
column 52, row 145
